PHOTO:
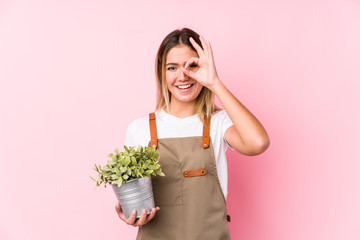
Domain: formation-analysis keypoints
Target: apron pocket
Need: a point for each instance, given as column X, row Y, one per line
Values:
column 168, row 189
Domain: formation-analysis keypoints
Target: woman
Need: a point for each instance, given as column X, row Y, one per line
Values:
column 192, row 135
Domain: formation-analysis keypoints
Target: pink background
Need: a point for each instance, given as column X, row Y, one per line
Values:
column 75, row 73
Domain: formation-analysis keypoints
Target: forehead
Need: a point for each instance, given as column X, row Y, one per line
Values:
column 180, row 53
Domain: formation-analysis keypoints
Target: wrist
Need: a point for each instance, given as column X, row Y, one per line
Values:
column 216, row 86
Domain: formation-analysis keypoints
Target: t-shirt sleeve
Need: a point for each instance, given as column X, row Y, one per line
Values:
column 224, row 123
column 131, row 136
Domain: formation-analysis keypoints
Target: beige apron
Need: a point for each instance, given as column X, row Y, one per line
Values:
column 192, row 204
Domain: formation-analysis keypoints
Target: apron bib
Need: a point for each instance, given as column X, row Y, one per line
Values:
column 192, row 204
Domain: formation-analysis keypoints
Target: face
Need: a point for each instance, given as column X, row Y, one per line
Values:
column 183, row 89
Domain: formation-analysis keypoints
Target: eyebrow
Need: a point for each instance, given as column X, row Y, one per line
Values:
column 171, row 64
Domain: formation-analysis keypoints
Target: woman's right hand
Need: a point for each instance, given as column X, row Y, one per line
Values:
column 144, row 219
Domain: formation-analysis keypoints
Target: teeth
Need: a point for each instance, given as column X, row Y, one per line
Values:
column 184, row 86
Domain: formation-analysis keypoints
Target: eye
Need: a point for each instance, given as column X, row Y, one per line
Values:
column 171, row 68
column 193, row 66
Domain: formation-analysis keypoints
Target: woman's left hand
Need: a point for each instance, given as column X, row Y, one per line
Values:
column 205, row 73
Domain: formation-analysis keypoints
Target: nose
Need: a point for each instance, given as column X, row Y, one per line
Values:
column 182, row 75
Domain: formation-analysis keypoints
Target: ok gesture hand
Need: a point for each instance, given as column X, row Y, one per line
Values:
column 206, row 73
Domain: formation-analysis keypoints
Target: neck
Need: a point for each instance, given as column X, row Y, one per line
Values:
column 182, row 110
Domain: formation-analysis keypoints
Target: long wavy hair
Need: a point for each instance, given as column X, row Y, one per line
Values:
column 205, row 105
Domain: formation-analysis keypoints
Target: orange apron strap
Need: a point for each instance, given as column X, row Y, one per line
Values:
column 206, row 133
column 153, row 131
column 195, row 173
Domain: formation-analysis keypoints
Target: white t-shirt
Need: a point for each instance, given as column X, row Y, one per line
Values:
column 169, row 126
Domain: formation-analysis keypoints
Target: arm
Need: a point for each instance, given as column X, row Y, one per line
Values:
column 247, row 135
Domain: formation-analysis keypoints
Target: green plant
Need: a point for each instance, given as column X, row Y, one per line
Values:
column 129, row 164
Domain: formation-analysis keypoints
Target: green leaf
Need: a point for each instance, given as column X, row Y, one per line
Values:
column 127, row 161
column 154, row 167
column 138, row 174
column 105, row 168
column 112, row 156
column 123, row 160
column 133, row 160
column 112, row 163
column 96, row 168
column 119, row 182
column 160, row 173
column 114, row 177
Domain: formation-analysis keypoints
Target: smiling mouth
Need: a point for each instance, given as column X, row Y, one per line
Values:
column 185, row 86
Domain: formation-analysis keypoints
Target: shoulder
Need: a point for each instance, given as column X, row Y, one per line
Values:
column 139, row 122
column 219, row 114
column 138, row 125
column 138, row 132
column 220, row 122
column 221, row 118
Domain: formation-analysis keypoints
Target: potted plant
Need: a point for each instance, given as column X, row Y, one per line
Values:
column 129, row 172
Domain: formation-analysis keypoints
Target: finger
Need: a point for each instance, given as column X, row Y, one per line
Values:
column 142, row 219
column 197, row 47
column 132, row 218
column 120, row 212
column 190, row 61
column 211, row 52
column 204, row 44
column 118, row 208
column 210, row 48
column 151, row 216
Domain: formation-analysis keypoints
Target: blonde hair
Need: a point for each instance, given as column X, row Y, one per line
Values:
column 205, row 105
